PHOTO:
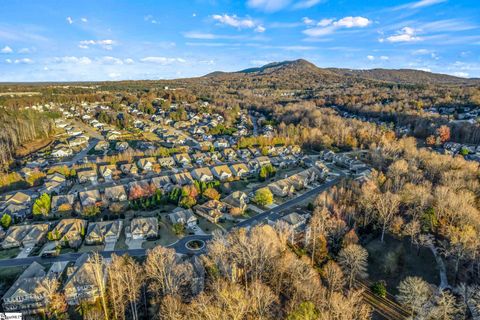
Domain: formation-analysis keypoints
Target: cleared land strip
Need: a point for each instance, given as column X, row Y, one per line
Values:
column 385, row 307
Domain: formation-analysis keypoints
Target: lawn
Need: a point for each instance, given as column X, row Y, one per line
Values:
column 120, row 245
column 9, row 253
column 167, row 237
column 87, row 248
column 8, row 276
column 394, row 260
column 206, row 225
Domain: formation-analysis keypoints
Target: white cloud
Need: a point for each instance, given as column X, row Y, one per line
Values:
column 384, row 58
column 24, row 50
column 268, row 5
column 211, row 36
column 308, row 21
column 421, row 52
column 194, row 14
column 406, row 34
column 151, row 19
column 305, row 4
column 73, row 60
column 237, row 22
column 324, row 22
column 419, row 4
column 105, row 44
column 162, row 60
column 328, row 26
column 110, row 60
column 6, row 49
column 128, row 61
column 8, row 60
column 84, row 20
column 23, row 61
column 371, row 58
column 260, row 29
column 461, row 74
column 352, row 22
column 69, row 20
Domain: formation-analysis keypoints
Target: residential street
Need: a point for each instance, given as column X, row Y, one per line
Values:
column 180, row 245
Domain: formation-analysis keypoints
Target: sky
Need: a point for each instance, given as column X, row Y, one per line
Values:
column 46, row 40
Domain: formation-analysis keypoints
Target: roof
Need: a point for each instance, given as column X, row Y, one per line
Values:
column 27, row 282
column 294, row 218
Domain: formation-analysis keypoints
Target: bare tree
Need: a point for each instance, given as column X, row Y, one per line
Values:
column 116, row 289
column 445, row 307
column 55, row 303
column 332, row 276
column 414, row 293
column 353, row 260
column 167, row 272
column 99, row 273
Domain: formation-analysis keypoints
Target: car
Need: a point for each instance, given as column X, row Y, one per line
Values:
column 28, row 250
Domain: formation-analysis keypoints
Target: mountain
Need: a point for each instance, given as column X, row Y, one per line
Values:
column 305, row 72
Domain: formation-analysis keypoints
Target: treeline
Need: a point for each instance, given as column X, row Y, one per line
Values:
column 20, row 126
column 244, row 275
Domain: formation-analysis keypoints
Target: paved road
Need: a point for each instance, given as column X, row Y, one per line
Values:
column 180, row 245
column 80, row 155
column 255, row 124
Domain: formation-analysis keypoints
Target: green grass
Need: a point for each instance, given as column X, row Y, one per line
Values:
column 394, row 260
column 167, row 237
column 9, row 253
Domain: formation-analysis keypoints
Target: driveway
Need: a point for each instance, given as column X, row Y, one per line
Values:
column 198, row 231
column 134, row 244
column 24, row 253
column 110, row 246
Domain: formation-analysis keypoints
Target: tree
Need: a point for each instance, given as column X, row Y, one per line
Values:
column 6, row 221
column 56, row 306
column 90, row 211
column 42, row 205
column 443, row 133
column 414, row 293
column 332, row 276
column 212, row 194
column 353, row 260
column 168, row 274
column 305, row 311
column 187, row 202
column 178, row 228
column 98, row 268
column 445, row 307
column 430, row 140
column 263, row 197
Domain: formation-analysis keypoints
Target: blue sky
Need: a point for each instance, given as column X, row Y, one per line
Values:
column 42, row 40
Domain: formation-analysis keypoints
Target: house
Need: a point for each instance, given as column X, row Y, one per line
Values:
column 237, row 199
column 163, row 183
column 200, row 158
column 166, row 162
column 108, row 171
column 90, row 198
column 222, row 172
column 26, row 295
column 69, row 231
column 121, row 146
column 146, row 164
column 281, row 188
column 182, row 159
column 81, row 284
column 240, row 170
column 295, row 224
column 184, row 217
column 229, row 154
column 202, row 174
column 87, row 175
column 305, row 178
column 143, row 228
column 182, row 178
column 244, row 154
column 130, row 169
column 211, row 210
column 262, row 161
column 105, row 231
column 115, row 194
column 62, row 203
column 25, row 235
column 17, row 204
column 221, row 144
column 102, row 146
column 61, row 152
column 53, row 183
